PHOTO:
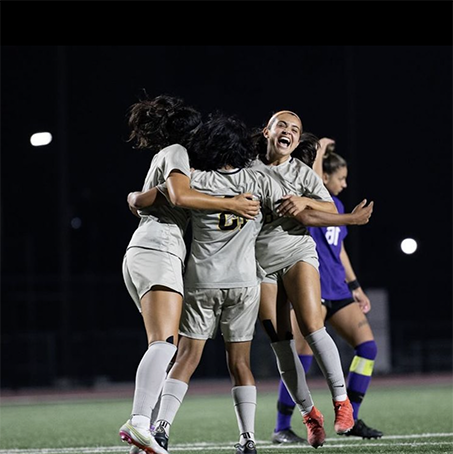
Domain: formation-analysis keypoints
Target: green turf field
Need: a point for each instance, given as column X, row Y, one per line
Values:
column 416, row 419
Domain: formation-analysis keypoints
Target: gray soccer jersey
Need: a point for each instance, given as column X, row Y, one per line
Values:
column 283, row 241
column 223, row 244
column 163, row 227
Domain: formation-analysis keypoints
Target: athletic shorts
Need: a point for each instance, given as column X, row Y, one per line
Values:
column 145, row 268
column 334, row 306
column 277, row 276
column 235, row 310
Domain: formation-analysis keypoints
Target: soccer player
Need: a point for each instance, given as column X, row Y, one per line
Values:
column 344, row 306
column 287, row 253
column 153, row 262
column 221, row 281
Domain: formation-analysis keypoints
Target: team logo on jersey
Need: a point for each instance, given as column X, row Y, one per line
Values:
column 333, row 235
column 230, row 221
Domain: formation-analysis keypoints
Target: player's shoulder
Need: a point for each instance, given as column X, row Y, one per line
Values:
column 175, row 154
column 173, row 148
column 203, row 177
column 301, row 166
column 258, row 174
column 196, row 174
column 338, row 203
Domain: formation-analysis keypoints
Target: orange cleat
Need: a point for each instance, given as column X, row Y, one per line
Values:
column 315, row 428
column 344, row 419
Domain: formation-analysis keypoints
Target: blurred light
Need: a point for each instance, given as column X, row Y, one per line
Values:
column 41, row 138
column 76, row 223
column 408, row 246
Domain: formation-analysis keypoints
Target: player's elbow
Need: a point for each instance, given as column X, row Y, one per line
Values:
column 178, row 200
column 134, row 201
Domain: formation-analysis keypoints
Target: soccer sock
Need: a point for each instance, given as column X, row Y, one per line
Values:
column 328, row 358
column 293, row 375
column 285, row 403
column 360, row 373
column 154, row 413
column 150, row 378
column 244, row 398
column 306, row 361
column 172, row 396
column 156, row 408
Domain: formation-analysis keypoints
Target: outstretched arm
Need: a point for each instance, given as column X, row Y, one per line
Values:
column 292, row 205
column 357, row 293
column 360, row 215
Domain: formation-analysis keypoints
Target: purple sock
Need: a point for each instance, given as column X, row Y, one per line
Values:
column 360, row 374
column 285, row 403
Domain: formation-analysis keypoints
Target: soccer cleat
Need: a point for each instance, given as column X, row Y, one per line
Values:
column 161, row 437
column 315, row 428
column 286, row 436
column 344, row 419
column 360, row 429
column 141, row 438
column 247, row 448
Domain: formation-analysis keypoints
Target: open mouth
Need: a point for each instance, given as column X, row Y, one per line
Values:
column 284, row 141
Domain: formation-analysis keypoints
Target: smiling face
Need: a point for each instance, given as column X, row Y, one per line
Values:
column 283, row 135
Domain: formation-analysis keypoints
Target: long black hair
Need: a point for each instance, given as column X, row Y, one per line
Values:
column 223, row 140
column 164, row 120
column 307, row 149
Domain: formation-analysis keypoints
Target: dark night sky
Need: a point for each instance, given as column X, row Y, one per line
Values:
column 388, row 107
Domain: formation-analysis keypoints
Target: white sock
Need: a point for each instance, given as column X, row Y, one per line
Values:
column 244, row 398
column 173, row 394
column 150, row 377
column 293, row 374
column 327, row 356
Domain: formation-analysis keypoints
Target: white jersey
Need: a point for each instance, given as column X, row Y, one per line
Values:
column 283, row 241
column 162, row 227
column 223, row 244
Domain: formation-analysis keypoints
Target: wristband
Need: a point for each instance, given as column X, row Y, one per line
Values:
column 353, row 285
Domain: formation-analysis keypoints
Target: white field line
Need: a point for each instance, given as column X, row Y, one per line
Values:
column 347, row 442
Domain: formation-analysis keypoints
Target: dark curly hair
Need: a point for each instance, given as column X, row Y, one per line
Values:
column 259, row 143
column 156, row 123
column 222, row 141
column 307, row 149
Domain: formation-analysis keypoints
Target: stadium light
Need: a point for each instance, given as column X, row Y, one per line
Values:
column 409, row 246
column 40, row 139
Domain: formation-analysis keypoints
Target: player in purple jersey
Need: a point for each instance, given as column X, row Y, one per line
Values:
column 344, row 306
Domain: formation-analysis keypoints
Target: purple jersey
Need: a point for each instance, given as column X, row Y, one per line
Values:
column 328, row 245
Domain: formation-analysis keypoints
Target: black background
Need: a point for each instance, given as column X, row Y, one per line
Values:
column 65, row 310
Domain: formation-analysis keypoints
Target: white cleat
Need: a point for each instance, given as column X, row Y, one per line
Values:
column 141, row 438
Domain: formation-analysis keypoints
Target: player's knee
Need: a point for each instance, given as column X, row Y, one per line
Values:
column 240, row 373
column 272, row 334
